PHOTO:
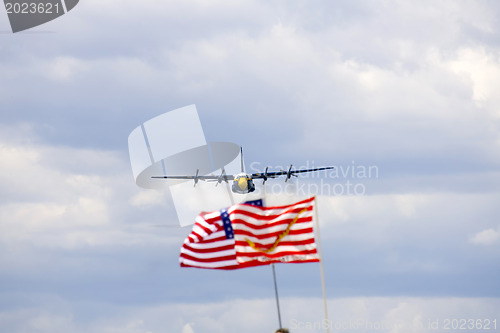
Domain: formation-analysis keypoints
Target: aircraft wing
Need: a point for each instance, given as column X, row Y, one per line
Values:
column 219, row 179
column 228, row 177
column 288, row 173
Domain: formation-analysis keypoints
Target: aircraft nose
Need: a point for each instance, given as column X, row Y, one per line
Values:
column 242, row 183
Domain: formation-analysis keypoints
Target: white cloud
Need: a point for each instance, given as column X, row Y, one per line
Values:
column 43, row 195
column 187, row 329
column 65, row 68
column 419, row 234
column 358, row 314
column 409, row 87
column 70, row 198
column 482, row 68
column 148, row 198
column 486, row 237
column 37, row 320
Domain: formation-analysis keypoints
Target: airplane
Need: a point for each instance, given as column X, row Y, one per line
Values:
column 243, row 182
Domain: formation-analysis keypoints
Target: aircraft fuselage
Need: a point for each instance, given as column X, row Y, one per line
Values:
column 243, row 184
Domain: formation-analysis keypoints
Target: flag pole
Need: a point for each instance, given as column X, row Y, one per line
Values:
column 276, row 293
column 322, row 270
column 274, row 278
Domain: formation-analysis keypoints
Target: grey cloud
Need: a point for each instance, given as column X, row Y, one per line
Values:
column 335, row 82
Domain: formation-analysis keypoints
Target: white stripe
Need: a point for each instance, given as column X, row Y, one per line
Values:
column 268, row 211
column 211, row 215
column 215, row 235
column 197, row 234
column 278, row 249
column 211, row 226
column 210, row 255
column 275, row 217
column 299, row 225
column 275, row 229
column 287, row 258
column 271, row 240
column 261, row 222
column 284, row 216
column 211, row 244
column 216, row 264
column 201, row 232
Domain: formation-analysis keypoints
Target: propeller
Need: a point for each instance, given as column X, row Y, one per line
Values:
column 222, row 177
column 289, row 173
column 196, row 177
column 264, row 177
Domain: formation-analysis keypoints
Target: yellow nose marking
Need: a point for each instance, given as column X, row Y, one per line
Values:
column 242, row 183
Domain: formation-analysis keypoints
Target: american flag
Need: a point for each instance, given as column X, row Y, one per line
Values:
column 246, row 235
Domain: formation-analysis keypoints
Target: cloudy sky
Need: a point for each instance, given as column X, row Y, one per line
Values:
column 408, row 89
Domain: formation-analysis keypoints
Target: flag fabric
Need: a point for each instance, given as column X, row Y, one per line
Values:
column 246, row 235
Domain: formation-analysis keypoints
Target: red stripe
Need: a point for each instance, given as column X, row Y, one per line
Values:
column 273, row 234
column 195, row 236
column 301, row 261
column 294, row 210
column 283, row 243
column 252, row 264
column 256, row 263
column 308, row 200
column 248, row 224
column 205, row 229
column 211, row 220
column 223, row 267
column 276, row 255
column 208, row 260
column 213, row 240
column 209, row 250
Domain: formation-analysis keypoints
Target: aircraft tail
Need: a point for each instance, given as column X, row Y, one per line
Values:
column 242, row 164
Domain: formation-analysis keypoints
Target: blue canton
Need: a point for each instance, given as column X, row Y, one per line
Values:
column 226, row 222
column 257, row 202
